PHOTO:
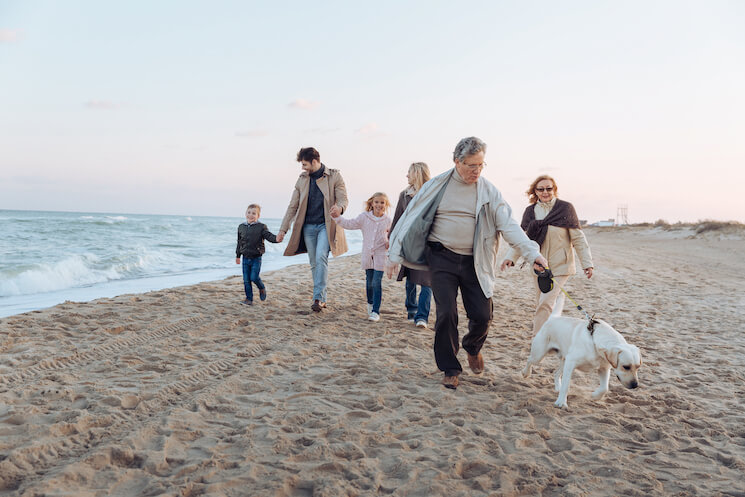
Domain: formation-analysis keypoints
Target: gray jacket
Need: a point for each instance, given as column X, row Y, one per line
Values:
column 493, row 216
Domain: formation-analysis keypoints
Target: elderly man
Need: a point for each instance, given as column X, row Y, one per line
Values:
column 318, row 192
column 452, row 227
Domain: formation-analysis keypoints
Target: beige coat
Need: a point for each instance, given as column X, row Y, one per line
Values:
column 334, row 192
column 557, row 249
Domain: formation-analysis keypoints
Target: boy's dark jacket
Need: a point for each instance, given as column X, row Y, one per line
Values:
column 251, row 239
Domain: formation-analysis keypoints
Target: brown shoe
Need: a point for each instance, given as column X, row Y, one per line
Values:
column 476, row 363
column 316, row 307
column 450, row 382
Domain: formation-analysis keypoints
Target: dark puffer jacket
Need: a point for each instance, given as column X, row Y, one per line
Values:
column 251, row 239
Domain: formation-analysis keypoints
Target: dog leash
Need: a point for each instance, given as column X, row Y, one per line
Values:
column 547, row 274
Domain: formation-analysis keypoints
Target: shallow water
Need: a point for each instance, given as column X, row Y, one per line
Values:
column 50, row 257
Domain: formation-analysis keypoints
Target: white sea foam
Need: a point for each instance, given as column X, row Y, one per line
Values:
column 81, row 270
column 75, row 270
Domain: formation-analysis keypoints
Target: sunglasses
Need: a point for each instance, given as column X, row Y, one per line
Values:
column 547, row 189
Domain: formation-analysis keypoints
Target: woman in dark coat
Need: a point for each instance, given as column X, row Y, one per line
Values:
column 417, row 310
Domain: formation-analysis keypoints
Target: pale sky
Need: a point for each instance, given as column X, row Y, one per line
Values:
column 198, row 108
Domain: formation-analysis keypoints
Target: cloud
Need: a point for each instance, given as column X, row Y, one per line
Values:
column 303, row 104
column 101, row 105
column 32, row 180
column 369, row 130
column 252, row 133
column 10, row 35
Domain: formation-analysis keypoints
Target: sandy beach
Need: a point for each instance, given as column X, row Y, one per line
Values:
column 184, row 392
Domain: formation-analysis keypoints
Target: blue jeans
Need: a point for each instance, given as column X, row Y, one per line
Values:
column 251, row 269
column 317, row 243
column 418, row 310
column 374, row 288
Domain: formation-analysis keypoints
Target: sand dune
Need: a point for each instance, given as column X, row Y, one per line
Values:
column 184, row 392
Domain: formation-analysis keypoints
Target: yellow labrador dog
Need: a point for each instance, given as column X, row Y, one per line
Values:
column 593, row 346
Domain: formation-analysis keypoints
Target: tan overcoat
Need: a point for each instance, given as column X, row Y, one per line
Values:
column 334, row 192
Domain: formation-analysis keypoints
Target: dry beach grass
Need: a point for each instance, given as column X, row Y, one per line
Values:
column 184, row 392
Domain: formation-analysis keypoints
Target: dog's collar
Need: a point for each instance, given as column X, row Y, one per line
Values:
column 591, row 325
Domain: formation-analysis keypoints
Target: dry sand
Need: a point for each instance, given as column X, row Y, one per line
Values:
column 185, row 392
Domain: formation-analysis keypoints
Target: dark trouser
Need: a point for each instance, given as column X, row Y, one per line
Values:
column 251, row 269
column 374, row 287
column 451, row 271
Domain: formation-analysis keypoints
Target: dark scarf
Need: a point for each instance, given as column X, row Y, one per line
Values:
column 562, row 215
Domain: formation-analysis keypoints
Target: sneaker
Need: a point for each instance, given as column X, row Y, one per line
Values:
column 421, row 323
column 262, row 294
column 450, row 382
column 316, row 307
column 411, row 320
column 247, row 302
column 369, row 309
column 374, row 317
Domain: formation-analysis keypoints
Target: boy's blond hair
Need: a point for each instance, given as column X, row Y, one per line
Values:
column 253, row 206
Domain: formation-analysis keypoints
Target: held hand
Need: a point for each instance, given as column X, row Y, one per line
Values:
column 505, row 264
column 390, row 269
column 280, row 236
column 237, row 260
column 588, row 272
column 335, row 211
column 540, row 263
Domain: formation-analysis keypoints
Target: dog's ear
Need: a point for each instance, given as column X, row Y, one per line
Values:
column 612, row 356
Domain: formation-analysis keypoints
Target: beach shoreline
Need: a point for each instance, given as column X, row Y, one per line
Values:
column 185, row 392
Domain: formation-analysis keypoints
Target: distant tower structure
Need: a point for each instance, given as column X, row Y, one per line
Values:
column 622, row 215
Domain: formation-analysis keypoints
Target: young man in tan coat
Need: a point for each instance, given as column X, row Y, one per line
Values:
column 317, row 191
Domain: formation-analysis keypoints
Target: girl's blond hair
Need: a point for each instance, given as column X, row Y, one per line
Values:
column 369, row 202
column 418, row 174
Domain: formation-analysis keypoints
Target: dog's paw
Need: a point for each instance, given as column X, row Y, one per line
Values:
column 561, row 404
column 526, row 371
column 598, row 394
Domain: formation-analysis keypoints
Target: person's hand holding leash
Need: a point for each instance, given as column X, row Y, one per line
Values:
column 540, row 263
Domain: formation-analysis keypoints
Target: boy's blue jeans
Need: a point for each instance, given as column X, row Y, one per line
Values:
column 317, row 244
column 251, row 269
column 374, row 288
column 418, row 310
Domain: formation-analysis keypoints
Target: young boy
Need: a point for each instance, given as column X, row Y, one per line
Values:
column 251, row 236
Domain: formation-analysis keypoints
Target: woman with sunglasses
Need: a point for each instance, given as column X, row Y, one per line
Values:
column 553, row 224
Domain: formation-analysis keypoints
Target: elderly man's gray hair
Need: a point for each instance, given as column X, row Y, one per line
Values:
column 468, row 146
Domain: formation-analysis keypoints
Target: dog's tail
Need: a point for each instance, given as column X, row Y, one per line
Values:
column 559, row 306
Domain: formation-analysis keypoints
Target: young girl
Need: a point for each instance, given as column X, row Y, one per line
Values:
column 374, row 224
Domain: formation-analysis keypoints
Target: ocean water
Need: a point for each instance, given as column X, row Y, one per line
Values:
column 49, row 257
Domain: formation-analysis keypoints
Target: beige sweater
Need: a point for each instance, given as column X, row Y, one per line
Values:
column 455, row 220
